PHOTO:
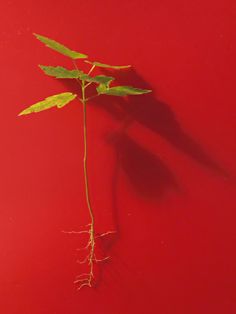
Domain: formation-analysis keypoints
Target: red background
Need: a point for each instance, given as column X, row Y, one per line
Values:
column 167, row 184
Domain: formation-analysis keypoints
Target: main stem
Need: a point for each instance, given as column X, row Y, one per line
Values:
column 91, row 243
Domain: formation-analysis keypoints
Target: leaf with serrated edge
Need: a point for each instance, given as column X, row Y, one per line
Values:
column 59, row 101
column 99, row 79
column 60, row 72
column 54, row 45
column 103, row 65
column 103, row 79
column 123, row 91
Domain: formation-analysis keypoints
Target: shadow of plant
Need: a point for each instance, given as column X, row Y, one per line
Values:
column 148, row 174
column 145, row 171
column 156, row 116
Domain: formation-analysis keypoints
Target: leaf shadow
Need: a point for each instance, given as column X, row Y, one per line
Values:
column 148, row 174
column 158, row 117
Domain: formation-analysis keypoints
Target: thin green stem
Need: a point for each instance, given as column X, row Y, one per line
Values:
column 87, row 278
column 91, row 97
column 92, row 68
column 88, row 84
column 75, row 66
column 91, row 256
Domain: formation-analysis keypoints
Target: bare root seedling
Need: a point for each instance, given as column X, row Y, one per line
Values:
column 103, row 87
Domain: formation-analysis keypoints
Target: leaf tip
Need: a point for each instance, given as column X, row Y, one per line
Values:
column 22, row 113
column 36, row 35
column 42, row 67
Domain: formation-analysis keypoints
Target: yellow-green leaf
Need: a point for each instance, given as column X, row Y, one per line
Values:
column 54, row 45
column 103, row 65
column 59, row 101
column 60, row 72
column 122, row 90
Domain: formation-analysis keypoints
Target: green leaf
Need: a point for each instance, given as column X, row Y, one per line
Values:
column 60, row 72
column 104, row 83
column 60, row 48
column 103, row 79
column 102, row 88
column 99, row 79
column 58, row 101
column 122, row 91
column 103, row 65
column 85, row 77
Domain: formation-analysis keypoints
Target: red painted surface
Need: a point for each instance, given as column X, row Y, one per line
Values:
column 167, row 184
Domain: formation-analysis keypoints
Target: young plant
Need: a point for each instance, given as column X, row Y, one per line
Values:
column 103, row 87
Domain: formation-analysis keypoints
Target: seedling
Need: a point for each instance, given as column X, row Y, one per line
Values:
column 103, row 87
